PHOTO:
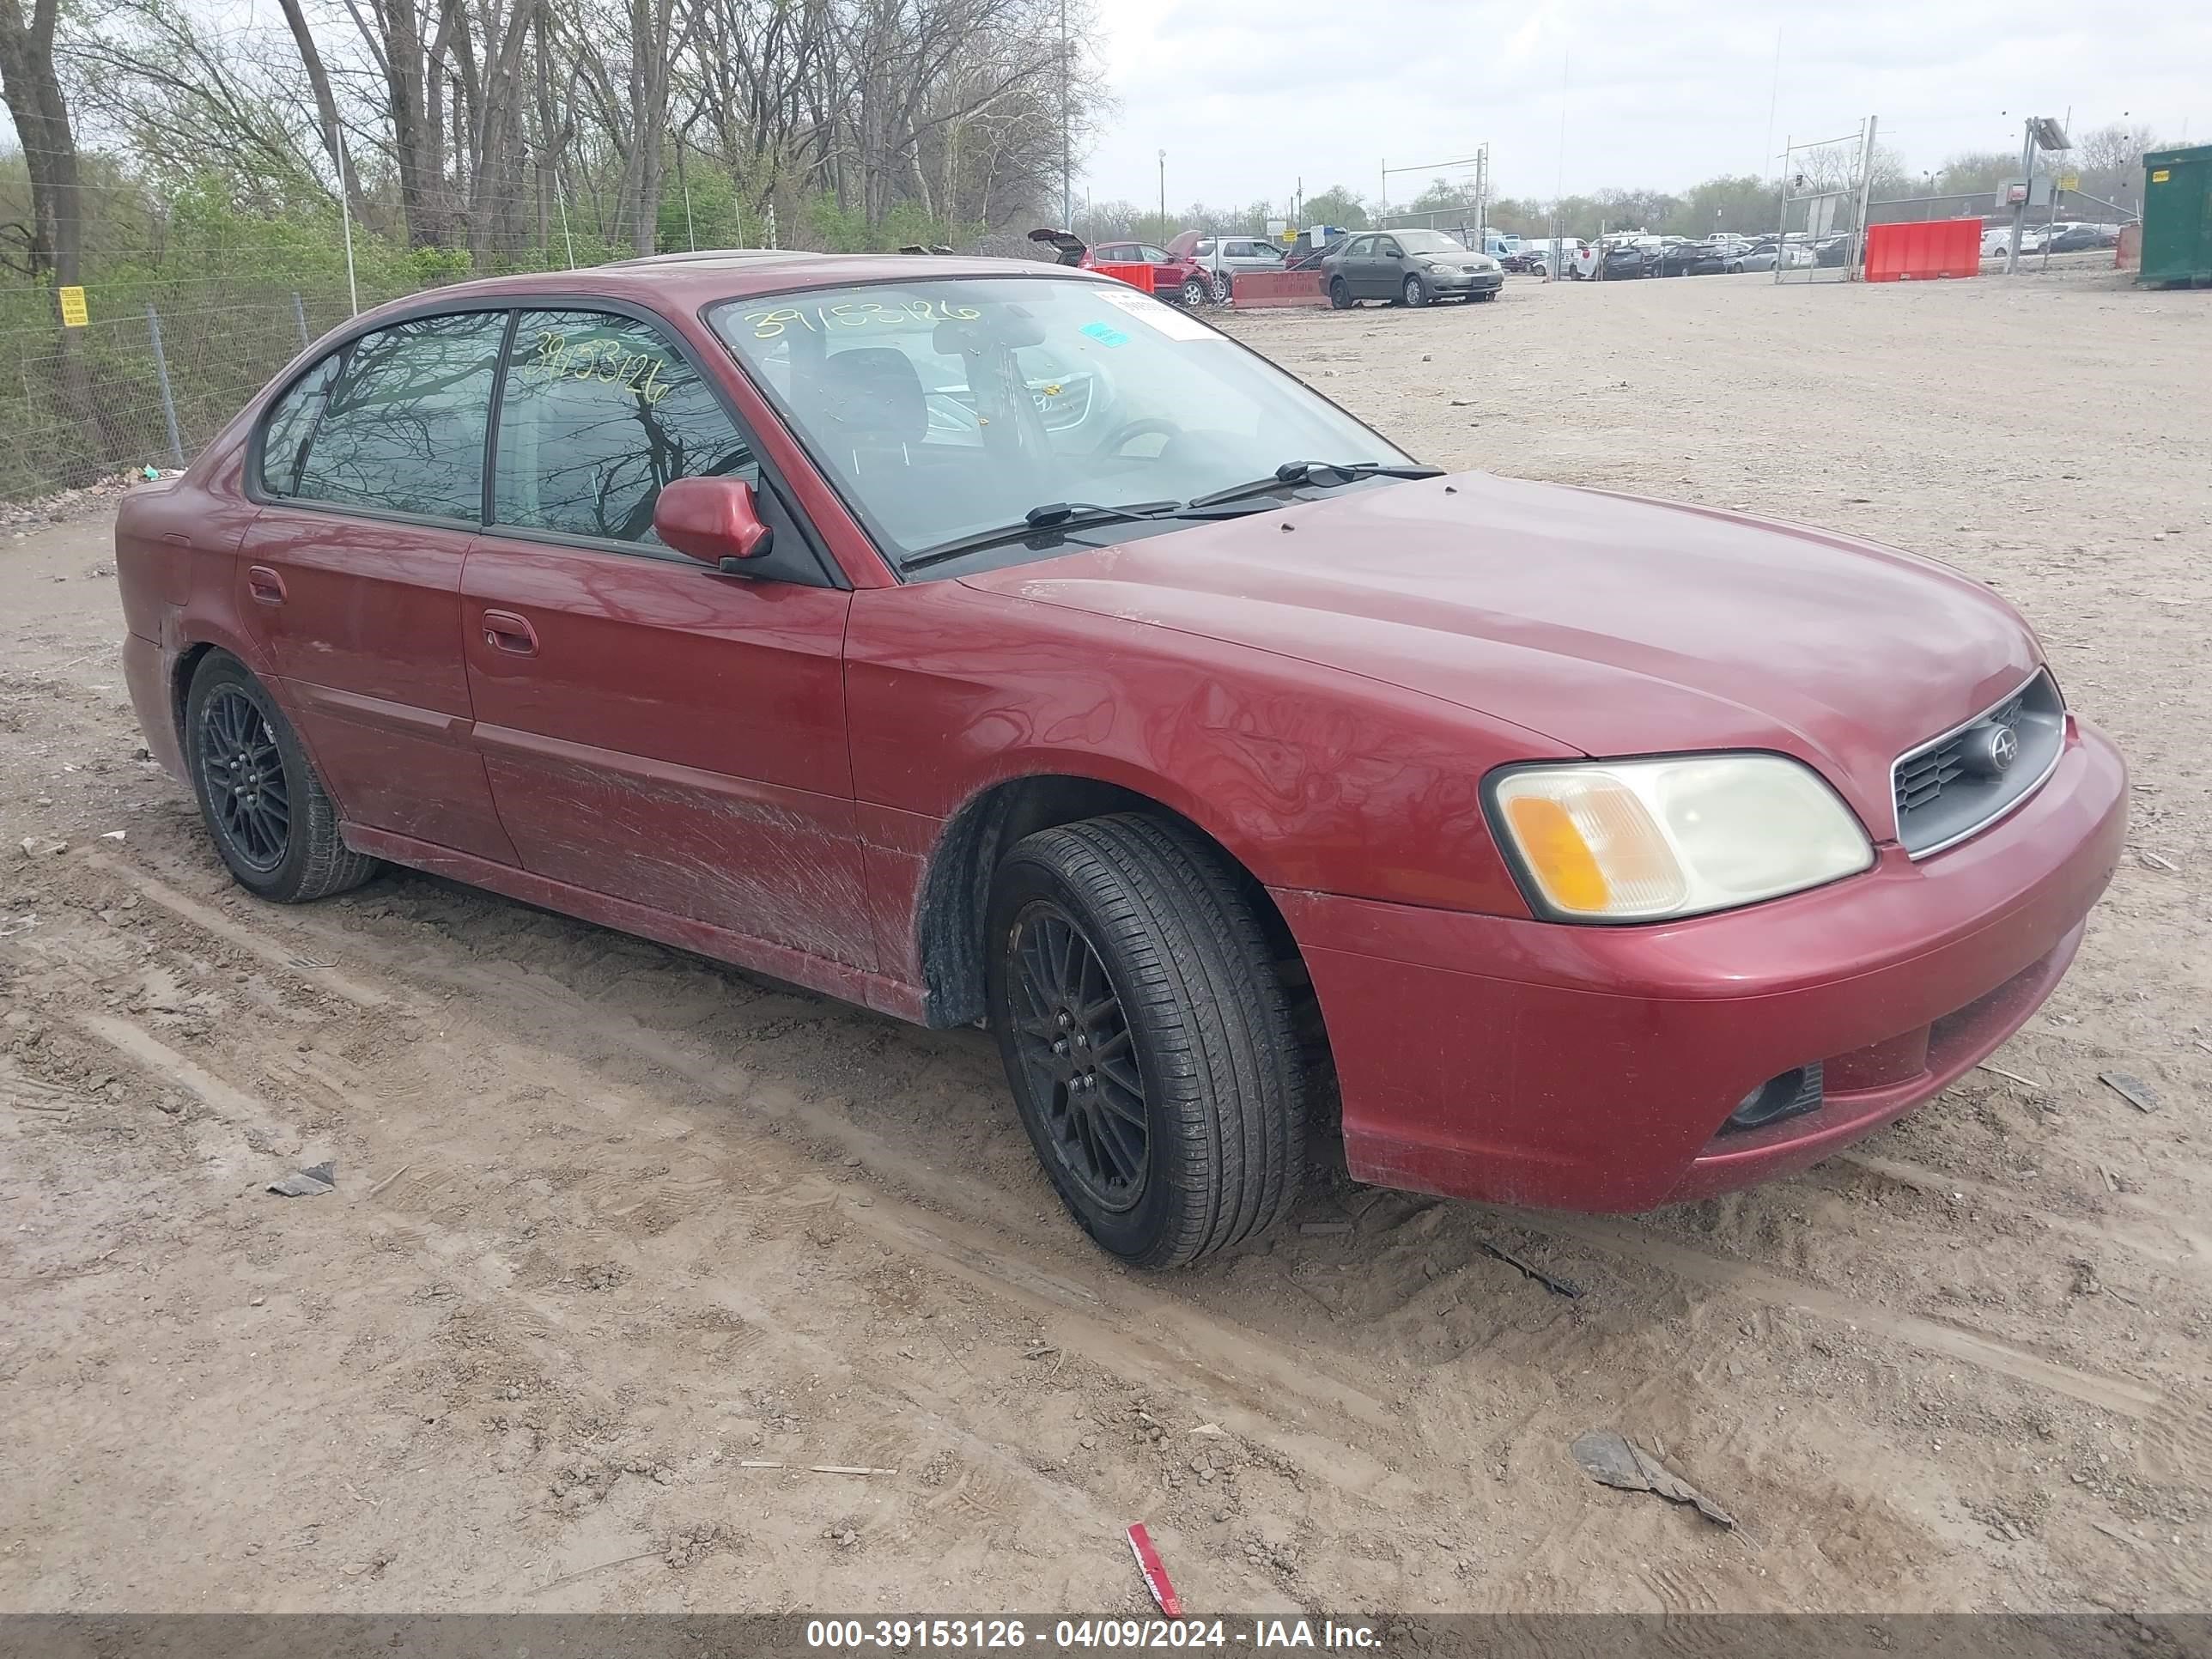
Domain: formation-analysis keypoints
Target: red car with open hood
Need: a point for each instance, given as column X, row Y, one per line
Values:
column 984, row 642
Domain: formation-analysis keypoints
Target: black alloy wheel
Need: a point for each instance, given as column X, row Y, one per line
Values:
column 1147, row 1036
column 249, row 800
column 272, row 819
column 1073, row 1042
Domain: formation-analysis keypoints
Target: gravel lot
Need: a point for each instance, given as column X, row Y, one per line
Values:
column 614, row 1226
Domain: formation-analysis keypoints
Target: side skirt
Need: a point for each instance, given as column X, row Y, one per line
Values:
column 871, row 990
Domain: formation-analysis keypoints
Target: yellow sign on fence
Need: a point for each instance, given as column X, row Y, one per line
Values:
column 73, row 310
column 2070, row 181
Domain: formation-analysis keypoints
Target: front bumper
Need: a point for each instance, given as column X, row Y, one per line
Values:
column 1591, row 1068
column 1464, row 282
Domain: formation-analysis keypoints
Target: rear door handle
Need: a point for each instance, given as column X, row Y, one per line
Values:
column 266, row 586
column 505, row 631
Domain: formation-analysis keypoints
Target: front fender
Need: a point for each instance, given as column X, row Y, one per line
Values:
column 1312, row 778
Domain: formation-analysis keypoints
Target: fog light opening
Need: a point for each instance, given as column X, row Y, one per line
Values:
column 1785, row 1095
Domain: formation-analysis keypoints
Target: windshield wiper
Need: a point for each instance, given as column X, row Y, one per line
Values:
column 1322, row 474
column 1053, row 516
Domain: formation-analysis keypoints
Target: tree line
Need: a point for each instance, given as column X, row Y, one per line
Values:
column 2107, row 161
column 504, row 131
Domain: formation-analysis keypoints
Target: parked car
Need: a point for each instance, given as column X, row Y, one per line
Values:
column 2075, row 238
column 1174, row 276
column 1616, row 854
column 1765, row 254
column 1564, row 257
column 1626, row 259
column 1222, row 257
column 1408, row 267
column 1678, row 256
column 1178, row 279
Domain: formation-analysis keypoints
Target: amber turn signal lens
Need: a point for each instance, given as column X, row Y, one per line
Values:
column 1557, row 856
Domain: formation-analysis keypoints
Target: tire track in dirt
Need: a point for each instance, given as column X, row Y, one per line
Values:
column 2145, row 1230
column 933, row 1414
column 1217, row 1348
column 1241, row 1379
column 2125, row 1395
column 510, row 998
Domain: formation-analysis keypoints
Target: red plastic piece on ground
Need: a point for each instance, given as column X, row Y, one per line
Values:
column 1155, row 1576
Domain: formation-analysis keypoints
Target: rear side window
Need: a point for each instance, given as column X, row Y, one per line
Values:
column 394, row 421
column 598, row 412
column 291, row 424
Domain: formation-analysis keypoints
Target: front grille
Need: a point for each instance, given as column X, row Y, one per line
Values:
column 1950, row 787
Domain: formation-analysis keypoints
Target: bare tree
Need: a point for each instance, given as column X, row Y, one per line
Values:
column 33, row 91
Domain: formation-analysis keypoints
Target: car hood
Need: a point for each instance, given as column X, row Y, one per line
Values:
column 1610, row 624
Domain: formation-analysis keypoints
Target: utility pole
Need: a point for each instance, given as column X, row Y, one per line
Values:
column 1066, row 136
column 345, row 216
column 1866, row 195
column 2043, row 133
column 2027, row 190
column 1163, row 196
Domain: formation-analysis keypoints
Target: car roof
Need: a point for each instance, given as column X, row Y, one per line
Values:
column 680, row 282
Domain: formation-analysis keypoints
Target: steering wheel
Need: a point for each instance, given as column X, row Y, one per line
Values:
column 1115, row 441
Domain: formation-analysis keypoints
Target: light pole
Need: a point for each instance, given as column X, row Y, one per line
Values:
column 1163, row 196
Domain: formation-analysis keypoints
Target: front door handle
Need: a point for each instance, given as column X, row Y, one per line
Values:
column 266, row 586
column 505, row 631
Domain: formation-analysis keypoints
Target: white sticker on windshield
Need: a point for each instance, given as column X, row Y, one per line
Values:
column 1145, row 309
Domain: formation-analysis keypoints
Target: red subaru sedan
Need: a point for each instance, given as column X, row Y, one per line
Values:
column 993, row 643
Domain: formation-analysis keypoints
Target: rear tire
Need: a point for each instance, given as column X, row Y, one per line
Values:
column 1147, row 1040
column 1339, row 293
column 270, row 818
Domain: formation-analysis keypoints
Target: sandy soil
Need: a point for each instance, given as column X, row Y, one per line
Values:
column 614, row 1225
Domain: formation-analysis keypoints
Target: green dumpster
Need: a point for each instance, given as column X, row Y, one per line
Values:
column 2177, row 218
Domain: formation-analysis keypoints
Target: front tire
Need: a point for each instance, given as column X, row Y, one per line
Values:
column 1146, row 1037
column 1416, row 291
column 271, row 820
column 1194, row 292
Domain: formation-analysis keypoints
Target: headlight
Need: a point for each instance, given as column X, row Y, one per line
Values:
column 1638, row 841
column 1485, row 263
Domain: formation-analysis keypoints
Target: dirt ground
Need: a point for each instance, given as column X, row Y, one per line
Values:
column 614, row 1227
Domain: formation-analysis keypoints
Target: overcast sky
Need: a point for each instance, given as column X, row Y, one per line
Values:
column 1246, row 96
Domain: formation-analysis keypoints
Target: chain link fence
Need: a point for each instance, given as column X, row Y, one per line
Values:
column 144, row 381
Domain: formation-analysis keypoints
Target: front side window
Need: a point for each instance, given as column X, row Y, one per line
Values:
column 393, row 422
column 598, row 412
column 944, row 409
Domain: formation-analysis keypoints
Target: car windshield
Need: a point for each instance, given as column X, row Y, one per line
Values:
column 944, row 409
column 1428, row 241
